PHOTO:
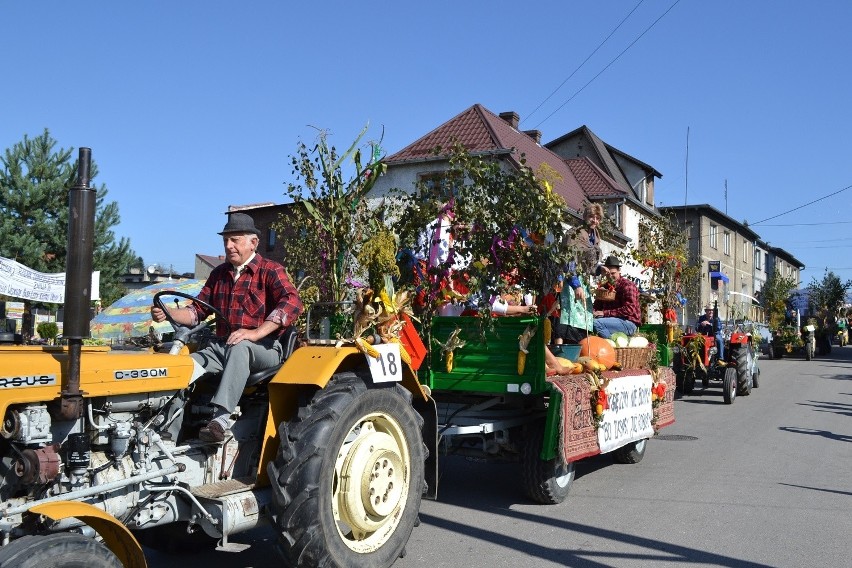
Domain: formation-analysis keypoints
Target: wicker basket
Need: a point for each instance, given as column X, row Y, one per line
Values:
column 634, row 357
column 604, row 294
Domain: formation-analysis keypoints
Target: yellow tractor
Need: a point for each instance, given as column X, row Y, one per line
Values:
column 100, row 451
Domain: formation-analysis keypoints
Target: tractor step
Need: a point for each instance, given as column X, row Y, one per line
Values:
column 223, row 488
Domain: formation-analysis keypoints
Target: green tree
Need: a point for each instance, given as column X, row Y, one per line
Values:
column 775, row 294
column 34, row 182
column 829, row 294
column 663, row 251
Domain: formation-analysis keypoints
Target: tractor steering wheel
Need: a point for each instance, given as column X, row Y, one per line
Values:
column 184, row 332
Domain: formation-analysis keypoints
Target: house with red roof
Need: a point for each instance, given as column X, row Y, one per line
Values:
column 608, row 174
column 579, row 176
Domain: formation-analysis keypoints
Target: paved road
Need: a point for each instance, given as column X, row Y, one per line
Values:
column 764, row 482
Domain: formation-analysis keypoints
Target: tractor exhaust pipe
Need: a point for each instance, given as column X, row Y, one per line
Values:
column 78, row 282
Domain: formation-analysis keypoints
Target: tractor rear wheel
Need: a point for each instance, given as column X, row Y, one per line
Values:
column 744, row 363
column 729, row 385
column 349, row 475
column 59, row 550
column 546, row 482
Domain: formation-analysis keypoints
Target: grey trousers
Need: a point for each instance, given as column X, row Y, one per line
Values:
column 236, row 363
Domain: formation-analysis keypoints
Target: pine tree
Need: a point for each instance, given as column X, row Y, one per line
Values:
column 34, row 182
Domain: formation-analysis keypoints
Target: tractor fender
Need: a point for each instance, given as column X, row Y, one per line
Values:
column 116, row 536
column 315, row 365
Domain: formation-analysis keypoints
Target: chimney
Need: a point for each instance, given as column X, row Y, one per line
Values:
column 534, row 134
column 512, row 118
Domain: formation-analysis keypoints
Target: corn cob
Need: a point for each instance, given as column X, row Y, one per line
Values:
column 449, row 361
column 403, row 354
column 366, row 348
column 523, row 344
column 546, row 331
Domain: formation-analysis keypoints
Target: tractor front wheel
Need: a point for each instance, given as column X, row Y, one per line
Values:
column 59, row 550
column 689, row 380
column 349, row 475
column 729, row 385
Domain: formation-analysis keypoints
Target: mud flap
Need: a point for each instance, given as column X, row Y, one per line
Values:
column 428, row 409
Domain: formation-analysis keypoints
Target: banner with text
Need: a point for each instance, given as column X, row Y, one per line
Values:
column 630, row 414
column 18, row 281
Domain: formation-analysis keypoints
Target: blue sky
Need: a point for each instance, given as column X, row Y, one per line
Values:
column 191, row 106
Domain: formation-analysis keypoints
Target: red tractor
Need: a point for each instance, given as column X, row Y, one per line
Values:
column 698, row 359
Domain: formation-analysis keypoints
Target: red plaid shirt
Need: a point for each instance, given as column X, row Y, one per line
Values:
column 625, row 305
column 262, row 293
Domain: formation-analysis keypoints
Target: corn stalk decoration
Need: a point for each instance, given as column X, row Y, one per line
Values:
column 329, row 221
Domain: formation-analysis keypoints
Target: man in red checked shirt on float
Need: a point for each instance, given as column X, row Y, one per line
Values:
column 259, row 301
column 623, row 313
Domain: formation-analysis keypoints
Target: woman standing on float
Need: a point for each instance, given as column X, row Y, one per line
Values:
column 576, row 321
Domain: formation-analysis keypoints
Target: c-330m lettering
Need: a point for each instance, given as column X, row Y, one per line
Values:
column 141, row 373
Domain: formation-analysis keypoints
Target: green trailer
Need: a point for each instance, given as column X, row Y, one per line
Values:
column 488, row 410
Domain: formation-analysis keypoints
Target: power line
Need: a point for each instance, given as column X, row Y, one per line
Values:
column 810, row 224
column 839, row 191
column 608, row 65
column 615, row 29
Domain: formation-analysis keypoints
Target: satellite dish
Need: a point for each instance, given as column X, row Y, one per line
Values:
column 152, row 269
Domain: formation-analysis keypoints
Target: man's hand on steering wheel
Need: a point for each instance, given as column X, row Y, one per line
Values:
column 183, row 332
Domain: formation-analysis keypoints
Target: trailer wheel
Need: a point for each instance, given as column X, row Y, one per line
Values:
column 546, row 482
column 755, row 377
column 729, row 385
column 809, row 350
column 631, row 453
column 744, row 364
column 59, row 550
column 349, row 475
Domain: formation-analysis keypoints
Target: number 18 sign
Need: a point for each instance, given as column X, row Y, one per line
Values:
column 386, row 368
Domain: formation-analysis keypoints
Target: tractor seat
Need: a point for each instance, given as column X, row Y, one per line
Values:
column 288, row 343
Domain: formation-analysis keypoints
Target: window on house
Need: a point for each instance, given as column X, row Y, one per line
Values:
column 745, row 252
column 726, row 242
column 613, row 211
column 437, row 184
column 713, row 231
column 757, row 260
column 270, row 238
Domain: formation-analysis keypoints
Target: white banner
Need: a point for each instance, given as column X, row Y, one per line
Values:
column 18, row 281
column 628, row 418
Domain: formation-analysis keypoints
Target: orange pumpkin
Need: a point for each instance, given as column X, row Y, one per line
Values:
column 599, row 349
